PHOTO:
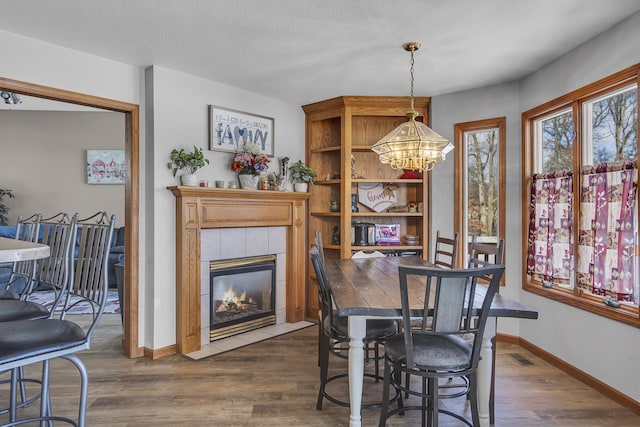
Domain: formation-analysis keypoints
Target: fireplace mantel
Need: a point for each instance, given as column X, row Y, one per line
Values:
column 200, row 208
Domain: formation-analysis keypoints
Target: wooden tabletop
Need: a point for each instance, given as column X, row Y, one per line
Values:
column 18, row 250
column 370, row 287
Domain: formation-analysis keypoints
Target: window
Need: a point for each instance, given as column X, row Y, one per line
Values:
column 480, row 181
column 580, row 198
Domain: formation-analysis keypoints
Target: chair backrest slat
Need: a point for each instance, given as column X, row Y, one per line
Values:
column 325, row 297
column 446, row 250
column 53, row 272
column 483, row 254
column 88, row 275
column 23, row 272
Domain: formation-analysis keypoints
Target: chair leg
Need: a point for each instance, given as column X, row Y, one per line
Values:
column 384, row 408
column 492, row 391
column 473, row 399
column 45, row 401
column 432, row 394
column 324, row 368
column 13, row 398
column 407, row 381
column 84, row 387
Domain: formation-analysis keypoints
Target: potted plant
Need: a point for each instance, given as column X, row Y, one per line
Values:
column 301, row 176
column 187, row 162
column 3, row 208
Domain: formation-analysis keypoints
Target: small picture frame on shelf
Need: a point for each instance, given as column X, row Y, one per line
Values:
column 388, row 234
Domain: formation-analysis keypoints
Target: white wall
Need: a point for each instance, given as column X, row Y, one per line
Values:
column 603, row 348
column 46, row 64
column 607, row 350
column 478, row 104
column 44, row 157
column 179, row 102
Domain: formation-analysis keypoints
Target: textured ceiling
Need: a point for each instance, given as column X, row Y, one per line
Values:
column 302, row 51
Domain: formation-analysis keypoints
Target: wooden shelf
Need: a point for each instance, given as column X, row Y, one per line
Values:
column 339, row 135
column 388, row 248
column 326, row 149
column 391, row 180
column 328, row 182
column 336, row 214
column 388, row 214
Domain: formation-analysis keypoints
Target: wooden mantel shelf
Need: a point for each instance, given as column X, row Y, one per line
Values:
column 199, row 208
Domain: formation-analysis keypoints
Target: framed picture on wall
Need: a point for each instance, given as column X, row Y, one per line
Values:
column 230, row 129
column 106, row 167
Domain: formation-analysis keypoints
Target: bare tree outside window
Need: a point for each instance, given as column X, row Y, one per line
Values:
column 557, row 143
column 614, row 122
column 482, row 187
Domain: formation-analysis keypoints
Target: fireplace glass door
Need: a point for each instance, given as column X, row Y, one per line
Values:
column 242, row 295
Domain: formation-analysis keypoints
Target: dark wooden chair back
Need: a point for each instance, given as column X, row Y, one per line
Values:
column 446, row 251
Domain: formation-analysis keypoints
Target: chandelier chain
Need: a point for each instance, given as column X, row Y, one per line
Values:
column 412, row 107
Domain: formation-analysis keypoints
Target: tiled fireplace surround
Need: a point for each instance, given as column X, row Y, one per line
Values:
column 236, row 223
column 229, row 243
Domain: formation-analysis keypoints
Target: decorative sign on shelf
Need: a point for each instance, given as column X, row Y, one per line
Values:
column 378, row 196
column 230, row 130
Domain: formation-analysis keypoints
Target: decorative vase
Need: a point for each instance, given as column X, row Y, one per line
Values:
column 248, row 181
column 190, row 179
column 300, row 187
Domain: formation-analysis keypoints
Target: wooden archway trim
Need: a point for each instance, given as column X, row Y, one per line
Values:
column 132, row 189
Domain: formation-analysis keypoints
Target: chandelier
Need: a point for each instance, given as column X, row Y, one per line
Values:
column 412, row 145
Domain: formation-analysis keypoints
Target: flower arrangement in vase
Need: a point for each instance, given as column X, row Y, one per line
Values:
column 249, row 162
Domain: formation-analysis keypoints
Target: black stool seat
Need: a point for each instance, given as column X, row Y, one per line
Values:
column 8, row 294
column 21, row 310
column 432, row 352
column 31, row 338
column 377, row 329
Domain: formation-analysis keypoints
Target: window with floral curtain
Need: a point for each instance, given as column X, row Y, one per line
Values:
column 550, row 250
column 606, row 261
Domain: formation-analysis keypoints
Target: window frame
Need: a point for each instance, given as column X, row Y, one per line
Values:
column 574, row 101
column 460, row 184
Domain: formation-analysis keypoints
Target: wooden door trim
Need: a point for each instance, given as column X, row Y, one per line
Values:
column 132, row 189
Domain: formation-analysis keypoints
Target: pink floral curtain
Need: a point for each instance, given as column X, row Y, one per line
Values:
column 606, row 261
column 550, row 253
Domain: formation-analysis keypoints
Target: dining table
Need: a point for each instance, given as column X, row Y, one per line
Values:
column 12, row 250
column 368, row 288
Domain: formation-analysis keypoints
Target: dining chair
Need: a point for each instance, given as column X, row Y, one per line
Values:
column 320, row 248
column 446, row 250
column 447, row 343
column 47, row 273
column 335, row 333
column 44, row 274
column 444, row 255
column 484, row 253
column 45, row 339
column 22, row 272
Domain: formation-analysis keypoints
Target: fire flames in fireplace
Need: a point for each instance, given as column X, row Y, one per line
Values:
column 242, row 295
column 232, row 304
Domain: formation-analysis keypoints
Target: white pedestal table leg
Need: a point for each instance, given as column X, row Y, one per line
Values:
column 357, row 330
column 484, row 372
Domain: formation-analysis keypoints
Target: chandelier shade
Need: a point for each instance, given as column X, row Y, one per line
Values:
column 412, row 145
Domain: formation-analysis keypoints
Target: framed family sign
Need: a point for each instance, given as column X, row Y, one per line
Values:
column 230, row 129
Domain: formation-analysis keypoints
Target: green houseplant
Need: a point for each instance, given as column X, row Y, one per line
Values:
column 3, row 208
column 189, row 162
column 301, row 176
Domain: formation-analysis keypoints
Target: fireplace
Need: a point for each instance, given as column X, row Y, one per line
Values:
column 242, row 292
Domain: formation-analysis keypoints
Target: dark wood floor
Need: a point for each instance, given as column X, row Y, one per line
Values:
column 274, row 383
